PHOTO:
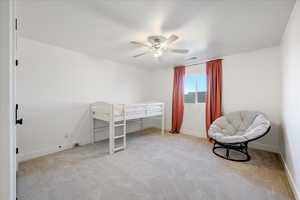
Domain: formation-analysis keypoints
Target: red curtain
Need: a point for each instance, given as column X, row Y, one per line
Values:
column 214, row 91
column 178, row 99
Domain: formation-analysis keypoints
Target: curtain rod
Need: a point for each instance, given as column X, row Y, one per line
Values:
column 202, row 62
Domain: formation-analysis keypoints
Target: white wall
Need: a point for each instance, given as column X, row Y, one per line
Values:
column 54, row 89
column 7, row 151
column 193, row 118
column 251, row 82
column 161, row 90
column 291, row 97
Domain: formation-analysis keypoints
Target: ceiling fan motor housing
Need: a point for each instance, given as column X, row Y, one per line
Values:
column 156, row 40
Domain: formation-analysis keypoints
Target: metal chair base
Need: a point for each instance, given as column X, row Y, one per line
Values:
column 239, row 147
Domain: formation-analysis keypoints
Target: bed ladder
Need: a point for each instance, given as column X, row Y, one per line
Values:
column 112, row 130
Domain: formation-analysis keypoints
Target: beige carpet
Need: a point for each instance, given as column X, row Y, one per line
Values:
column 154, row 167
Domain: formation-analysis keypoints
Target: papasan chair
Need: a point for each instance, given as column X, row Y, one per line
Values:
column 234, row 131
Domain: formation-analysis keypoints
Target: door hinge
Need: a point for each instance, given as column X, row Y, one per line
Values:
column 18, row 121
column 16, row 24
column 17, row 150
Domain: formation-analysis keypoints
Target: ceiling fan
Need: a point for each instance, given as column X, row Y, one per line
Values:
column 158, row 44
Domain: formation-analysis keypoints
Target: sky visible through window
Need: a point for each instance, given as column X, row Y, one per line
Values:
column 190, row 83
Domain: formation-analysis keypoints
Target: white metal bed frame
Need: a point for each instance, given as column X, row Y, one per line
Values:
column 107, row 112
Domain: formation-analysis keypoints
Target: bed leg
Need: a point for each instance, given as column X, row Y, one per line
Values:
column 92, row 126
column 93, row 131
column 163, row 121
column 124, row 127
column 111, row 137
column 162, row 125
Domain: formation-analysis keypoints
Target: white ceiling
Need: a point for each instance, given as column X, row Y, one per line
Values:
column 100, row 28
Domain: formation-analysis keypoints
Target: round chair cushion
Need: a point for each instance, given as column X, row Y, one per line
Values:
column 237, row 127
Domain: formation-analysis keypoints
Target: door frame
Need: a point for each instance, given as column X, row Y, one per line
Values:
column 7, row 101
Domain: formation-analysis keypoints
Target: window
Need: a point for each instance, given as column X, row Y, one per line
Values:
column 195, row 88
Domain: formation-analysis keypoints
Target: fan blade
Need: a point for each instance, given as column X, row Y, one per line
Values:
column 171, row 39
column 191, row 58
column 179, row 50
column 141, row 44
column 141, row 54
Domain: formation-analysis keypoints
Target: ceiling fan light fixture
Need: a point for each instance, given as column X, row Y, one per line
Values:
column 157, row 53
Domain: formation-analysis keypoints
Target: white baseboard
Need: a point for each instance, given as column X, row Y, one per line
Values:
column 290, row 178
column 265, row 147
column 193, row 133
column 35, row 154
column 49, row 150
